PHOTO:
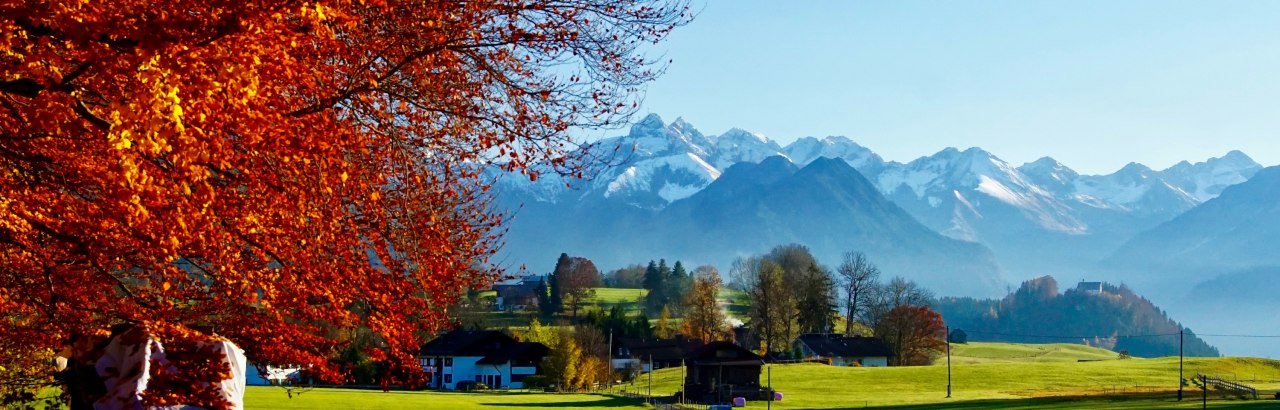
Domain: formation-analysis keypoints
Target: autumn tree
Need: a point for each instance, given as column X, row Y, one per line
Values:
column 858, row 278
column 773, row 307
column 914, row 333
column 577, row 281
column 664, row 329
column 256, row 168
column 563, row 364
column 703, row 319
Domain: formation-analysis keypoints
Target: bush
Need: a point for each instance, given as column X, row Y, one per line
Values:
column 472, row 386
column 536, row 381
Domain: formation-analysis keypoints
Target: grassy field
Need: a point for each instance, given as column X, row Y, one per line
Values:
column 985, row 375
column 261, row 397
column 821, row 386
column 984, row 352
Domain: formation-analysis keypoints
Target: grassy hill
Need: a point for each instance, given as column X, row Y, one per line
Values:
column 1053, row 374
column 989, row 352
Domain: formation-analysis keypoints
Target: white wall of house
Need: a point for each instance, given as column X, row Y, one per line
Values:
column 464, row 368
column 880, row 361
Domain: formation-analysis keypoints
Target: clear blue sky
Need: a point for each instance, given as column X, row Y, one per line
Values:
column 1094, row 84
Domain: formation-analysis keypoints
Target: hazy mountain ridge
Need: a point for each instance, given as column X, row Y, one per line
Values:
column 1040, row 217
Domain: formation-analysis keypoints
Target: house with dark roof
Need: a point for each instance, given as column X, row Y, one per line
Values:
column 719, row 371
column 517, row 294
column 844, row 350
column 648, row 354
column 482, row 356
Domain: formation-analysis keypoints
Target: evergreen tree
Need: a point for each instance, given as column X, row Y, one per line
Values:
column 544, row 298
column 653, row 281
column 554, row 302
column 677, row 285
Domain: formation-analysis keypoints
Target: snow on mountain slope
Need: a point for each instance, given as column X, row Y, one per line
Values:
column 949, row 180
column 737, row 145
column 1206, row 180
column 805, row 150
column 671, row 177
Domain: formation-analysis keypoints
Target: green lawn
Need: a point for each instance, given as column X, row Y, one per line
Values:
column 613, row 296
column 260, row 397
column 820, row 386
column 987, row 352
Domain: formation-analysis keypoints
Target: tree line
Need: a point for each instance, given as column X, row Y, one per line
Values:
column 1037, row 312
column 790, row 294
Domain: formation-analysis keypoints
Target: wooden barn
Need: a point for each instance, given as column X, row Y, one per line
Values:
column 719, row 371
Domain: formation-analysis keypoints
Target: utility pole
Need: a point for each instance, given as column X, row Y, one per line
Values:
column 1204, row 392
column 771, row 393
column 948, row 362
column 1180, row 331
column 684, row 385
column 650, row 378
column 609, row 359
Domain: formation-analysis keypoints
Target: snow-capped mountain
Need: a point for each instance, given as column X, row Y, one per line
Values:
column 653, row 165
column 954, row 189
column 805, row 150
column 1036, row 217
column 1206, row 180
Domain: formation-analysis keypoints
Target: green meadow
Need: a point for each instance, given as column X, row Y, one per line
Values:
column 984, row 375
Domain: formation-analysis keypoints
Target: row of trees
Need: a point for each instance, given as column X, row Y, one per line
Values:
column 579, row 356
column 790, row 293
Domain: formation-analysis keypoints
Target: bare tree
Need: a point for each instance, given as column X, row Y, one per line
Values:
column 858, row 278
column 897, row 293
column 744, row 273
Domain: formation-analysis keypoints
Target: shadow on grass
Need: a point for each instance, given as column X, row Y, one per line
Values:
column 1131, row 402
column 604, row 401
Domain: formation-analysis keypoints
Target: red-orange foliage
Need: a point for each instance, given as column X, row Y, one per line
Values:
column 258, row 168
column 915, row 333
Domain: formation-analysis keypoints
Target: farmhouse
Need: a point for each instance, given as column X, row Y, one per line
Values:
column 844, row 350
column 482, row 356
column 648, row 354
column 517, row 294
column 720, row 371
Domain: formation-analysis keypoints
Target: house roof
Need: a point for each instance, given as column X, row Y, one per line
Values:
column 467, row 343
column 723, row 353
column 835, row 345
column 660, row 350
column 492, row 346
column 521, row 351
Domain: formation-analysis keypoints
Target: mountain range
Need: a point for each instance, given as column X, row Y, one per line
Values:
column 957, row 214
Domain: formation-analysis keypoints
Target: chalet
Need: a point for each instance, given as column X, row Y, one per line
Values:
column 648, row 354
column 719, row 371
column 482, row 356
column 1090, row 288
column 517, row 294
column 844, row 350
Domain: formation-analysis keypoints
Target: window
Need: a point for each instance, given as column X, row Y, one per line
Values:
column 448, row 362
column 448, row 378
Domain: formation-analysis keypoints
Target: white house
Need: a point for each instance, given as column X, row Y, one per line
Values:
column 481, row 356
column 1090, row 288
column 845, row 350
